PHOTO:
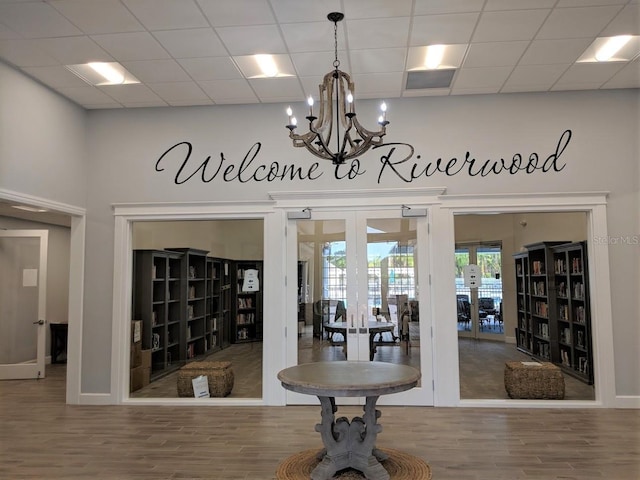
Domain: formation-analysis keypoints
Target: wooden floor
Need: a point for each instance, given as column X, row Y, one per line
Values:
column 43, row 438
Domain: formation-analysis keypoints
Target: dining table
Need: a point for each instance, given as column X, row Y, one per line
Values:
column 349, row 444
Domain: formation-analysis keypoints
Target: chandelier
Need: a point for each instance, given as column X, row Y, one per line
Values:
column 337, row 114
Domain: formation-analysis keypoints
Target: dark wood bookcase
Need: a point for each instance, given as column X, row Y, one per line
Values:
column 572, row 310
column 246, row 318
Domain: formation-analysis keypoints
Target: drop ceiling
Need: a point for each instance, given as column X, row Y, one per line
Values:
column 182, row 50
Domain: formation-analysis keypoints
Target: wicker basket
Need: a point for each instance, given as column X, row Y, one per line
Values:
column 543, row 381
column 219, row 375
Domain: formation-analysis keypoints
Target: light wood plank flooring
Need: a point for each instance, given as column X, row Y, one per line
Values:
column 43, row 438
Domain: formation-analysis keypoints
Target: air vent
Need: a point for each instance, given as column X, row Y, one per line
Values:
column 421, row 79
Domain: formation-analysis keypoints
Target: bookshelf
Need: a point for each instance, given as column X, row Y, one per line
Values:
column 537, row 332
column 157, row 301
column 194, row 299
column 247, row 287
column 213, row 317
column 225, row 298
column 572, row 310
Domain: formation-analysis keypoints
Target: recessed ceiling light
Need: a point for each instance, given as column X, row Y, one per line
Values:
column 433, row 57
column 621, row 48
column 27, row 208
column 103, row 73
column 265, row 66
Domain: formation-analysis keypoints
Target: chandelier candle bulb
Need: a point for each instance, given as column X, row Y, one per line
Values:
column 350, row 101
column 290, row 114
column 310, row 102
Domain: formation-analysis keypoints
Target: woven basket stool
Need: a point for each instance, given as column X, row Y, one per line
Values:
column 219, row 375
column 542, row 381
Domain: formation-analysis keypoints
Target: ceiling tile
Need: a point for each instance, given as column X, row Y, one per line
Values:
column 475, row 90
column 446, row 29
column 318, row 63
column 577, row 22
column 509, row 25
column 87, row 95
column 544, row 52
column 541, row 77
column 130, row 93
column 190, row 103
column 588, row 3
column 155, row 71
column 434, row 7
column 311, row 37
column 378, row 83
column 487, row 77
column 252, row 39
column 167, row 14
column 192, row 43
column 237, row 12
column 494, row 54
column 627, row 22
column 36, row 20
column 377, row 8
column 378, row 60
column 627, row 77
column 589, row 73
column 55, row 76
column 290, row 11
column 378, row 33
column 229, row 90
column 131, row 46
column 98, row 16
column 178, row 91
column 493, row 5
column 73, row 50
column 6, row 33
column 26, row 53
column 214, row 68
column 287, row 87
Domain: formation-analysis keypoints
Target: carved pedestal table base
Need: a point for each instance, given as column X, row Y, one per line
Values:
column 349, row 444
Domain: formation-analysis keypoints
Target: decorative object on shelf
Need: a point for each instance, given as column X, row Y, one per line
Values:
column 336, row 91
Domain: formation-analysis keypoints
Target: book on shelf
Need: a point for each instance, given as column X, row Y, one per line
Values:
column 560, row 266
column 576, row 265
column 538, row 267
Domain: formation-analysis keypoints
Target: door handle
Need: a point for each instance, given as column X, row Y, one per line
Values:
column 39, row 322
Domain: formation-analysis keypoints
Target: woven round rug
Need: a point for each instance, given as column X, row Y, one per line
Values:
column 401, row 466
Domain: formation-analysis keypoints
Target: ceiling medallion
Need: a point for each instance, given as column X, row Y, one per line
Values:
column 337, row 114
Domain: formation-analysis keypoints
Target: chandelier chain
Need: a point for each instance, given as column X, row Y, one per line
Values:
column 336, row 62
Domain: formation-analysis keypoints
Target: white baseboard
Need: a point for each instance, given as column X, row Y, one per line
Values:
column 628, row 401
column 96, row 399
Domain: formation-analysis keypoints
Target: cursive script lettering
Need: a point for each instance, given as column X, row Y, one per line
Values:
column 409, row 172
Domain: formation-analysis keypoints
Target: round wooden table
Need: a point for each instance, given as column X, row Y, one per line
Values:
column 349, row 444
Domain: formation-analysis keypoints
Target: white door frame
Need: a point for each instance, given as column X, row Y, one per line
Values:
column 35, row 369
column 366, row 201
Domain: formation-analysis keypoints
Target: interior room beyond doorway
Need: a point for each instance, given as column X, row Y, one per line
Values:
column 482, row 359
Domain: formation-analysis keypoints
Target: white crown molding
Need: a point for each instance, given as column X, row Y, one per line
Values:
column 22, row 198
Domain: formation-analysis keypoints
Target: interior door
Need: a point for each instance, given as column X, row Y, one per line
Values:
column 479, row 306
column 361, row 294
column 23, row 273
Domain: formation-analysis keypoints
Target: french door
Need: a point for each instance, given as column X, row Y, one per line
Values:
column 480, row 301
column 23, row 273
column 360, row 294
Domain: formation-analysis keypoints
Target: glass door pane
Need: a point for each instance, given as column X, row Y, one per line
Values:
column 22, row 303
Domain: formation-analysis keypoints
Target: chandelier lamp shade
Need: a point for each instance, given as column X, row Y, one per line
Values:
column 336, row 122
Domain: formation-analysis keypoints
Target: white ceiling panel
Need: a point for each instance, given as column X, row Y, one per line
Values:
column 98, row 16
column 377, row 8
column 182, row 50
column 237, row 12
column 446, row 29
column 381, row 60
column 252, row 39
column 378, row 32
column 131, row 46
column 155, row 71
column 167, row 14
column 509, row 25
column 72, row 50
column 211, row 68
column 577, row 22
column 36, row 20
column 494, row 54
column 192, row 43
column 545, row 52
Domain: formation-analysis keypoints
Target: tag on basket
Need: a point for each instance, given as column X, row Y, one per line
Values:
column 200, row 387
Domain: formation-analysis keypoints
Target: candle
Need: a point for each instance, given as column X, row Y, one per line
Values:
column 310, row 102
